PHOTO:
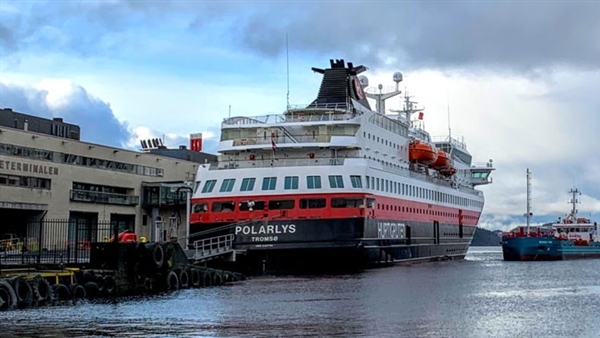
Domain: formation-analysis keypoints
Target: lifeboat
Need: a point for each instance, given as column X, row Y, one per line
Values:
column 422, row 152
column 442, row 162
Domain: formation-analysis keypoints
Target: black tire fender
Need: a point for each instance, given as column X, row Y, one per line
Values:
column 61, row 292
column 77, row 291
column 45, row 292
column 184, row 279
column 217, row 278
column 172, row 281
column 22, row 290
column 195, row 277
column 158, row 255
column 109, row 285
column 206, row 279
column 8, row 297
column 92, row 290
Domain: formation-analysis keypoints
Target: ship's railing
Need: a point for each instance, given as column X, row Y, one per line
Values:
column 432, row 179
column 482, row 165
column 319, row 113
column 300, row 162
column 266, row 163
column 451, row 140
column 534, row 231
column 291, row 138
column 209, row 247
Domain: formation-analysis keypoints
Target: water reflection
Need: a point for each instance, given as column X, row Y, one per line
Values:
column 481, row 296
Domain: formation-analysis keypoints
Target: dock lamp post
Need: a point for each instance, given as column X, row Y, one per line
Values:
column 187, row 186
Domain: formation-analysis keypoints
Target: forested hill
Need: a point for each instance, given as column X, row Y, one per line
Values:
column 485, row 237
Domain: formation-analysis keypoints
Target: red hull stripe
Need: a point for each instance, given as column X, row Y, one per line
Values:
column 385, row 208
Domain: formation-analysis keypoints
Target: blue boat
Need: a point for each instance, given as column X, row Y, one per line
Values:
column 569, row 238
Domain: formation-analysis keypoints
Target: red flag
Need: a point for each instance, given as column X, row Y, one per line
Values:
column 421, row 115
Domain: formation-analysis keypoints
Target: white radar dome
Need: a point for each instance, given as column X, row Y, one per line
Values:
column 364, row 81
column 397, row 77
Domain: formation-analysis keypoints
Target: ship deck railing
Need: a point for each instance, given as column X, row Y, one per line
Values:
column 269, row 163
column 319, row 113
column 450, row 140
column 322, row 161
column 288, row 138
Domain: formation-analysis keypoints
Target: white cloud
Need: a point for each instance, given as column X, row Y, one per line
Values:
column 182, row 79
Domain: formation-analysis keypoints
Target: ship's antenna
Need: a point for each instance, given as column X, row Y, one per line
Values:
column 574, row 201
column 287, row 56
column 448, row 103
column 528, row 214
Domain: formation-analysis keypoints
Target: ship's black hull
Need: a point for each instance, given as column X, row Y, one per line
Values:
column 341, row 244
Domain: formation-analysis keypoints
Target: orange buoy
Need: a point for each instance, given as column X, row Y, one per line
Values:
column 422, row 152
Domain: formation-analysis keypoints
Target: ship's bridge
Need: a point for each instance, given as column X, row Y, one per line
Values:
column 480, row 173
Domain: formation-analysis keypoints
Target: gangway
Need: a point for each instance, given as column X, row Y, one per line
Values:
column 210, row 248
column 206, row 249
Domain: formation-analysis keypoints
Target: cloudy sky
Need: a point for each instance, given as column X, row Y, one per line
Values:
column 520, row 78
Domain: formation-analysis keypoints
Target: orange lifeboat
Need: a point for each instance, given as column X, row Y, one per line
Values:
column 442, row 162
column 422, row 152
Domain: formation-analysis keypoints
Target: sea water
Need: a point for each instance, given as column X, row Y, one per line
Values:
column 480, row 296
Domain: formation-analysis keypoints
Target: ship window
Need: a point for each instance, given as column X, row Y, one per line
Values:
column 269, row 183
column 346, row 202
column 252, row 205
column 370, row 203
column 312, row 203
column 313, row 182
column 356, row 181
column 209, row 186
column 248, row 184
column 197, row 186
column 377, row 183
column 200, row 207
column 227, row 185
column 372, row 182
column 281, row 204
column 335, row 181
column 291, row 182
column 368, row 182
column 226, row 206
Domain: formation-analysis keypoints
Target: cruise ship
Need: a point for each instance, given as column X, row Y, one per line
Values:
column 340, row 183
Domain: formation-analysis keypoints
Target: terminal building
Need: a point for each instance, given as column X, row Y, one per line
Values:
column 50, row 178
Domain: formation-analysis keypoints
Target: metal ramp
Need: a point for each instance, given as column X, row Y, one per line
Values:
column 218, row 246
column 209, row 248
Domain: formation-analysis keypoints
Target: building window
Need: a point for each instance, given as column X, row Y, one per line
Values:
column 26, row 182
column 313, row 182
column 248, row 184
column 335, row 181
column 209, row 186
column 291, row 182
column 269, row 183
column 227, row 185
column 356, row 181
